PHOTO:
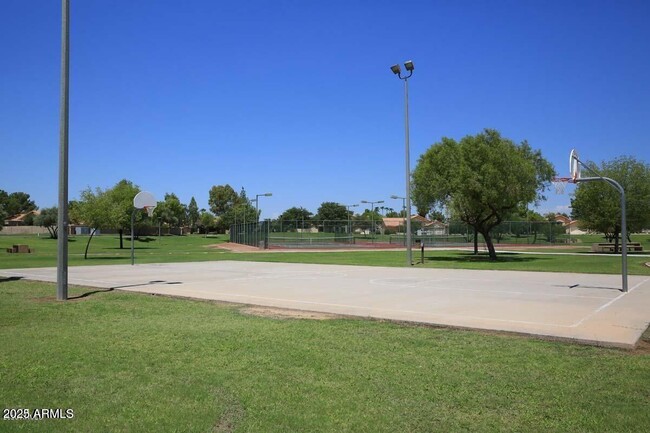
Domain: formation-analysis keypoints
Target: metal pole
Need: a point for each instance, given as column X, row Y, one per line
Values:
column 372, row 220
column 409, row 240
column 132, row 238
column 404, row 210
column 623, row 221
column 62, row 221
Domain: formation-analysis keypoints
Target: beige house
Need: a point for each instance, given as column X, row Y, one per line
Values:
column 571, row 227
column 19, row 220
column 426, row 226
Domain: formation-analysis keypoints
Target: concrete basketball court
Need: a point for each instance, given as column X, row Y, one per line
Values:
column 582, row 307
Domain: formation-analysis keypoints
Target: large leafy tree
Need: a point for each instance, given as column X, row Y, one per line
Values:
column 598, row 205
column 15, row 203
column 110, row 208
column 296, row 214
column 222, row 198
column 205, row 222
column 230, row 207
column 171, row 211
column 481, row 178
column 331, row 211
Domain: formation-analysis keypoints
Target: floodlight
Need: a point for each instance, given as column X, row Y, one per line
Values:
column 409, row 65
column 394, row 197
column 268, row 194
column 396, row 69
column 364, row 201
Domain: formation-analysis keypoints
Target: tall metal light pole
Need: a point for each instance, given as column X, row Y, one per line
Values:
column 372, row 214
column 62, row 221
column 396, row 197
column 257, row 200
column 397, row 71
column 347, row 207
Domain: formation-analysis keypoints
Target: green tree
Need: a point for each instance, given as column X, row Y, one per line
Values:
column 296, row 214
column 205, row 222
column 193, row 213
column 222, row 198
column 4, row 213
column 598, row 205
column 110, row 208
column 171, row 211
column 15, row 203
column 481, row 179
column 48, row 218
column 230, row 207
column 331, row 211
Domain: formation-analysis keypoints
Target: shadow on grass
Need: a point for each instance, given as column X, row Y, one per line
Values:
column 106, row 258
column 128, row 250
column 484, row 258
column 85, row 295
column 9, row 279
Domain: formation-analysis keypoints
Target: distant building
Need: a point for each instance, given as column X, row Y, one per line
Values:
column 424, row 226
column 19, row 220
column 571, row 227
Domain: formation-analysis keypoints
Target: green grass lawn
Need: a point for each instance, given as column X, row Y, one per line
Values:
column 129, row 362
column 105, row 250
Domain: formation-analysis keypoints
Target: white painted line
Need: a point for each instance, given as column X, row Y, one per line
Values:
column 608, row 304
column 419, row 313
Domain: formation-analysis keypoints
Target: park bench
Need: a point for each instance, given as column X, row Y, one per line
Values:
column 20, row 249
column 610, row 248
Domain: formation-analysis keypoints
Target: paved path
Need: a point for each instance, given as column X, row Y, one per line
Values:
column 583, row 307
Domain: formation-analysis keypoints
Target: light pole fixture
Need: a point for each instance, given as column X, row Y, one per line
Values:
column 396, row 197
column 257, row 200
column 397, row 71
column 347, row 207
column 372, row 214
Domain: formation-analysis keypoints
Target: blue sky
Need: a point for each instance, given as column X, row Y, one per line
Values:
column 297, row 98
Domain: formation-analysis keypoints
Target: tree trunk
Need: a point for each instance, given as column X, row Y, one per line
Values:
column 121, row 241
column 616, row 243
column 475, row 241
column 88, row 244
column 490, row 246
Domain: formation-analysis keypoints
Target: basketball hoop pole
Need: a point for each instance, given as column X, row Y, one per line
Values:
column 133, row 237
column 142, row 200
column 620, row 189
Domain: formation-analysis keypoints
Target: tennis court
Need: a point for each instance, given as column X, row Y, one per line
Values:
column 581, row 307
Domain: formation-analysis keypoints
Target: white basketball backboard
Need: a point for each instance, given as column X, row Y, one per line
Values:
column 144, row 199
column 574, row 165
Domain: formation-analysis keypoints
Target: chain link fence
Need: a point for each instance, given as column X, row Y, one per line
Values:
column 369, row 233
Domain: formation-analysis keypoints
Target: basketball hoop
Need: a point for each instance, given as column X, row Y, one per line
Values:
column 150, row 210
column 560, row 184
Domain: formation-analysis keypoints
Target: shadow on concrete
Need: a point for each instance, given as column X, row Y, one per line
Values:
column 147, row 284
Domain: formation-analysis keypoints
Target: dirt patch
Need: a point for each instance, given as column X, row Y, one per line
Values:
column 647, row 264
column 642, row 348
column 235, row 248
column 281, row 313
